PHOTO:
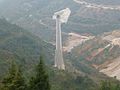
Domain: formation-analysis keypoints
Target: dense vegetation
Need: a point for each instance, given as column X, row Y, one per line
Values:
column 108, row 85
column 24, row 49
column 14, row 79
column 19, row 45
column 40, row 81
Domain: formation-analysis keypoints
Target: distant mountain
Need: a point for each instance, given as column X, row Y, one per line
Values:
column 36, row 16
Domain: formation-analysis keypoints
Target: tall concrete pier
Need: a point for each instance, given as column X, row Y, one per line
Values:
column 60, row 17
column 58, row 52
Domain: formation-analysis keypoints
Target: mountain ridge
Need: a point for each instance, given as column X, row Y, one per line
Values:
column 37, row 15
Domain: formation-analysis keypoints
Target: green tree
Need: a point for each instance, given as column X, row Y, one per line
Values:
column 41, row 80
column 107, row 85
column 117, row 87
column 14, row 79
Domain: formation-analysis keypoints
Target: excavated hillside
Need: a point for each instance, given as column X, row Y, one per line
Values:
column 101, row 53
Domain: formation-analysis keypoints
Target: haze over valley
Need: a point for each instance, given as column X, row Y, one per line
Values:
column 90, row 42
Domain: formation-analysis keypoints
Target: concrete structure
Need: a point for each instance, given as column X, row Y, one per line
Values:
column 60, row 17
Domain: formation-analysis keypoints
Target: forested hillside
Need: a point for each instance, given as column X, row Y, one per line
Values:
column 27, row 31
column 19, row 45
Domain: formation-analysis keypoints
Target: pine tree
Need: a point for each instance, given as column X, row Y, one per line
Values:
column 117, row 87
column 41, row 80
column 106, row 85
column 14, row 79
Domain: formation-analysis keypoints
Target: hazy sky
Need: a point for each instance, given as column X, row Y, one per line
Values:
column 1, row 0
